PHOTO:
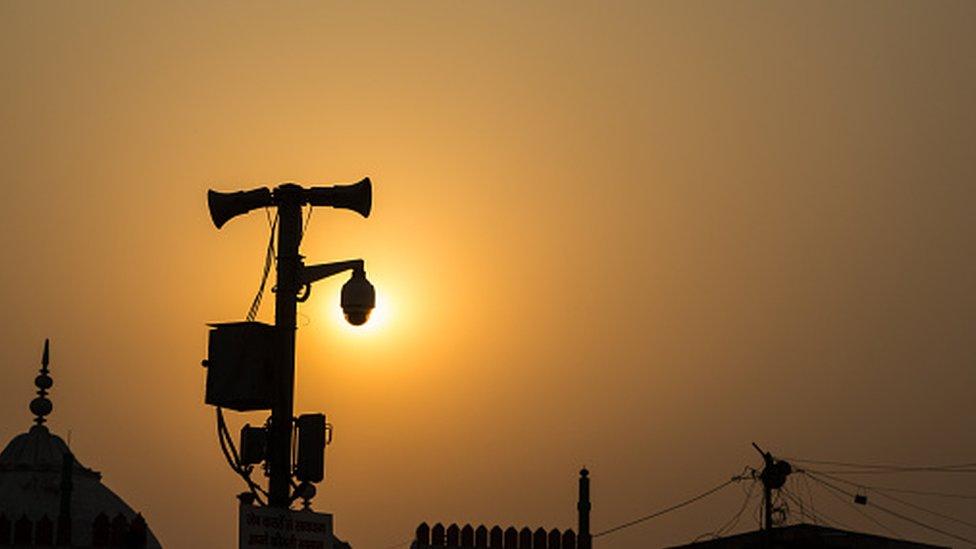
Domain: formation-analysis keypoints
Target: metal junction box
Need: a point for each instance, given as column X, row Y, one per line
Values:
column 310, row 465
column 240, row 366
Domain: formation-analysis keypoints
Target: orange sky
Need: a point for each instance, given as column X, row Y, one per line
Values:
column 631, row 235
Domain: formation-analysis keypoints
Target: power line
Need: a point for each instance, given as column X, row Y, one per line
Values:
column 863, row 514
column 895, row 513
column 732, row 522
column 919, row 492
column 269, row 258
column 895, row 471
column 896, row 490
column 729, row 526
column 818, row 516
column 903, row 502
column 957, row 468
column 929, row 511
column 809, row 491
column 802, row 505
column 233, row 458
column 669, row 509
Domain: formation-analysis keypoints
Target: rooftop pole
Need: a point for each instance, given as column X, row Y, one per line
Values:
column 357, row 300
column 289, row 200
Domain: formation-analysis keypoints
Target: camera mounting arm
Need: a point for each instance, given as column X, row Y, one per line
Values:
column 313, row 273
column 358, row 297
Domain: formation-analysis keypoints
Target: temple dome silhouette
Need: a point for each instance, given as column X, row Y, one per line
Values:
column 48, row 498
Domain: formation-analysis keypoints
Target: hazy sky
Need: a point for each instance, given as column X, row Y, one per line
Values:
column 635, row 236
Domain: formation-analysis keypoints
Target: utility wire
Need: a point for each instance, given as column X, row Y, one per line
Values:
column 895, row 513
column 669, row 509
column 233, row 458
column 800, row 502
column 916, row 492
column 269, row 258
column 819, row 516
column 731, row 524
column 223, row 435
column 897, row 490
column 717, row 533
column 962, row 467
column 308, row 217
column 812, row 504
column 929, row 511
column 895, row 471
column 861, row 512
column 903, row 502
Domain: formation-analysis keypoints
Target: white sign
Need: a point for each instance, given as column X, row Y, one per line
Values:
column 264, row 527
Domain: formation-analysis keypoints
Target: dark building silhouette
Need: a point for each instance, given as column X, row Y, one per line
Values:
column 511, row 537
column 798, row 536
column 806, row 536
column 49, row 499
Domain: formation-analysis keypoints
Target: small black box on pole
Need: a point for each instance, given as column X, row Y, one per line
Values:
column 311, row 448
column 254, row 445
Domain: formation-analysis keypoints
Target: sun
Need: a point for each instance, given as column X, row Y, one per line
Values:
column 389, row 331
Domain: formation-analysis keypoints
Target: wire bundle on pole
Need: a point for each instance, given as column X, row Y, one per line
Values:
column 227, row 446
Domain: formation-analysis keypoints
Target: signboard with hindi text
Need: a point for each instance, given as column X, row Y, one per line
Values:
column 265, row 527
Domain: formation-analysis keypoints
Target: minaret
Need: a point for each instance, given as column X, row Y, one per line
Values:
column 41, row 406
column 585, row 540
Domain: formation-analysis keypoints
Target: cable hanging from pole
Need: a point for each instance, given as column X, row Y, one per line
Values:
column 877, row 522
column 669, row 509
column 876, row 468
column 894, row 513
column 269, row 258
column 818, row 516
column 734, row 521
column 881, row 492
column 233, row 458
column 227, row 446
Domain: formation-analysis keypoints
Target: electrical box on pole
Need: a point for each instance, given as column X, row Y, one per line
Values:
column 240, row 366
column 254, row 445
column 310, row 466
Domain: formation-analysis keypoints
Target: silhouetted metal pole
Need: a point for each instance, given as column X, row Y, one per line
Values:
column 767, row 507
column 773, row 477
column 358, row 298
column 289, row 200
column 765, row 476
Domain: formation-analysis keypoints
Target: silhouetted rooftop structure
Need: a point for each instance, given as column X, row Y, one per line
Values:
column 48, row 498
column 510, row 537
column 804, row 536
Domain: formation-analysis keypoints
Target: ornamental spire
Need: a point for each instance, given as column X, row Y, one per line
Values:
column 41, row 406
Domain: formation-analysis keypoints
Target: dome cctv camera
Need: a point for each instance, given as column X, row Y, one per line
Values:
column 358, row 298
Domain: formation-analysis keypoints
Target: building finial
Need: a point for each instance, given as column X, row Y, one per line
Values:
column 41, row 406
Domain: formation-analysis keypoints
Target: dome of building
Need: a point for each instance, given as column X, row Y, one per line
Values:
column 49, row 498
